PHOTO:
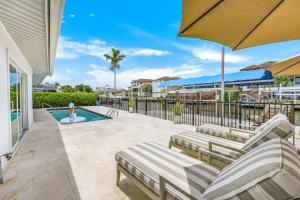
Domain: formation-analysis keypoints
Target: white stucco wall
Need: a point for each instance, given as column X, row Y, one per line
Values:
column 10, row 54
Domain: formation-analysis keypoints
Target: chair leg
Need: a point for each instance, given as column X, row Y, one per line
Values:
column 118, row 174
column 294, row 139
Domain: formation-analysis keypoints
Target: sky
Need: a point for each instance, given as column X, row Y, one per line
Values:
column 146, row 32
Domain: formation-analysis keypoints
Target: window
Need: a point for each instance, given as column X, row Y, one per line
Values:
column 297, row 80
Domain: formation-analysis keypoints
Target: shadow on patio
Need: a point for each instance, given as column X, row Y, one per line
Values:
column 41, row 168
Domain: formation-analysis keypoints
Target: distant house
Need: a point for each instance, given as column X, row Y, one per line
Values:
column 45, row 88
column 157, row 90
column 111, row 92
column 136, row 86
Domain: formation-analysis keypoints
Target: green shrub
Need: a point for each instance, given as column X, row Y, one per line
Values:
column 233, row 96
column 178, row 108
column 62, row 99
column 13, row 98
column 131, row 103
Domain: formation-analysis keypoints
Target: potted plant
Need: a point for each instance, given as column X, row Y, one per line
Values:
column 177, row 110
column 131, row 104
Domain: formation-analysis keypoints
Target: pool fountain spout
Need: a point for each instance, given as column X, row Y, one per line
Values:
column 72, row 116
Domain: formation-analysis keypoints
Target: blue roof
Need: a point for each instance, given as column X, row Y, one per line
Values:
column 260, row 74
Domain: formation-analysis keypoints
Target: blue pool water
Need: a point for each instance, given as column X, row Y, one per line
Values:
column 59, row 114
column 14, row 115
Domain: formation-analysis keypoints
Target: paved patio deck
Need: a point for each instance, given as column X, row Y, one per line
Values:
column 77, row 161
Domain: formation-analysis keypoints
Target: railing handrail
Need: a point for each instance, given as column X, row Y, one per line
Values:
column 112, row 111
column 200, row 112
column 46, row 105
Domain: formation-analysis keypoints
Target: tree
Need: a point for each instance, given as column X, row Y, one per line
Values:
column 283, row 81
column 83, row 88
column 114, row 60
column 147, row 89
column 66, row 88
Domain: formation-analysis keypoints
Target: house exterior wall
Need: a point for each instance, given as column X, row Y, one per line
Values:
column 11, row 55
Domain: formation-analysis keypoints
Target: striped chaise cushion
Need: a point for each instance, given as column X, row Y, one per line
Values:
column 146, row 161
column 223, row 131
column 277, row 128
column 195, row 140
column 214, row 130
column 270, row 171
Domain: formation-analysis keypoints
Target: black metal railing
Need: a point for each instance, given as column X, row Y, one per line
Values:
column 197, row 112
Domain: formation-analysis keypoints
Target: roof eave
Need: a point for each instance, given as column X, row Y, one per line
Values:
column 55, row 14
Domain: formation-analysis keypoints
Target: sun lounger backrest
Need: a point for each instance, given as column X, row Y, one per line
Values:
column 270, row 171
column 277, row 128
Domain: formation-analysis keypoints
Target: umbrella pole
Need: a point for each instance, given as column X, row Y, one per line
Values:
column 222, row 74
column 222, row 84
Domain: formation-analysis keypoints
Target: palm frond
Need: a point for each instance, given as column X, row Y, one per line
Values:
column 114, row 59
column 107, row 57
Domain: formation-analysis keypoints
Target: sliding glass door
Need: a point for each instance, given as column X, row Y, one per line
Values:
column 16, row 105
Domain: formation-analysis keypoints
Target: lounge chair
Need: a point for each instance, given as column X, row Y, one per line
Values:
column 215, row 150
column 239, row 135
column 270, row 171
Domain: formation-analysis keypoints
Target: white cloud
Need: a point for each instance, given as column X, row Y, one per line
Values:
column 204, row 53
column 175, row 25
column 210, row 54
column 63, row 78
column 100, row 76
column 72, row 15
column 68, row 49
column 92, row 15
column 145, row 52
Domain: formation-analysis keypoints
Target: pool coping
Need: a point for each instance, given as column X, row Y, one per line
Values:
column 58, row 108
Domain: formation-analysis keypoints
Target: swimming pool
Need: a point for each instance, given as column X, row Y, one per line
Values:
column 62, row 113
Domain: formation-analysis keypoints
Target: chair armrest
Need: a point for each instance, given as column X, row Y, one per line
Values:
column 164, row 180
column 240, row 133
column 214, row 155
column 211, row 144
column 248, row 126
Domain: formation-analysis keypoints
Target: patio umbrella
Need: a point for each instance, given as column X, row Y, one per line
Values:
column 240, row 24
column 289, row 67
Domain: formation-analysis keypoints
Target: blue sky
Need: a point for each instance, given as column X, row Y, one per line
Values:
column 146, row 32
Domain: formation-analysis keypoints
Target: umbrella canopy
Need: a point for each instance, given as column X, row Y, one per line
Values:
column 243, row 23
column 289, row 67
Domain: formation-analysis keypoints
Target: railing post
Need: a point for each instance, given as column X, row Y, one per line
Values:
column 222, row 112
column 240, row 114
column 128, row 104
column 193, row 113
column 146, row 106
column 235, row 112
column 165, row 108
column 293, row 113
column 136, row 105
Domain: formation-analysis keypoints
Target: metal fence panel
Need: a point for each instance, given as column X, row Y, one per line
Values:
column 196, row 112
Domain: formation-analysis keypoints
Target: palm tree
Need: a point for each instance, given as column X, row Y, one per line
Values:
column 114, row 59
column 282, row 81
